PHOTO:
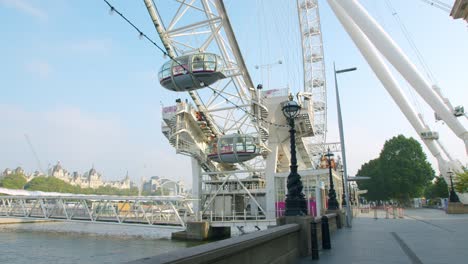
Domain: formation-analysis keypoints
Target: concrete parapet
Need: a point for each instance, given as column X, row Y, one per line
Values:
column 304, row 234
column 340, row 217
column 276, row 245
column 457, row 208
column 333, row 220
column 305, row 241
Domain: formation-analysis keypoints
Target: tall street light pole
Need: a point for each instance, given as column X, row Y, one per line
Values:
column 332, row 202
column 343, row 196
column 295, row 200
column 453, row 197
column 343, row 149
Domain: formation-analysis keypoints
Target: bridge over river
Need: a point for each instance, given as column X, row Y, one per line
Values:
column 149, row 210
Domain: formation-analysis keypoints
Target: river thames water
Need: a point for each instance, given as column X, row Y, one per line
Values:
column 55, row 242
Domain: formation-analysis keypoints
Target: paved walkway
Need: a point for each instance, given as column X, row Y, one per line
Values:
column 422, row 236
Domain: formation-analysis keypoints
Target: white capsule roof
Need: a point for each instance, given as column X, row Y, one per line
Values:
column 191, row 72
column 233, row 148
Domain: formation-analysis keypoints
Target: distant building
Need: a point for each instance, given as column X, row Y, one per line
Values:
column 94, row 179
column 31, row 176
column 123, row 184
column 151, row 185
column 59, row 173
column 163, row 186
column 7, row 172
column 19, row 170
column 90, row 179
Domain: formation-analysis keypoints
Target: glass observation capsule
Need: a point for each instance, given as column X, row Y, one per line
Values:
column 233, row 148
column 191, row 72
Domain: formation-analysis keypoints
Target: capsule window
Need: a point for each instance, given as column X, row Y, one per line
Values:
column 177, row 69
column 166, row 73
column 210, row 57
column 226, row 145
column 181, row 67
column 250, row 145
column 240, row 145
column 197, row 62
column 210, row 66
column 165, row 70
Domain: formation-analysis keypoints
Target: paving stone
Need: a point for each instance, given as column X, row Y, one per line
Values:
column 426, row 236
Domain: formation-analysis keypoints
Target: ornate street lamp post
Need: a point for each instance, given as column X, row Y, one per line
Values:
column 453, row 197
column 332, row 202
column 295, row 200
column 343, row 195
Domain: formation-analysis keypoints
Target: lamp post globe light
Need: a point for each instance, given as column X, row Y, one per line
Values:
column 295, row 200
column 453, row 197
column 332, row 202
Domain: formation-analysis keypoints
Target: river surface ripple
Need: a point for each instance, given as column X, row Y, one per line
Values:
column 57, row 242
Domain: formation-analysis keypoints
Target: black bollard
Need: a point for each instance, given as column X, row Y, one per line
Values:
column 314, row 240
column 326, row 243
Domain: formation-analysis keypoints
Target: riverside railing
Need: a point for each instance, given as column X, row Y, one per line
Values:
column 151, row 210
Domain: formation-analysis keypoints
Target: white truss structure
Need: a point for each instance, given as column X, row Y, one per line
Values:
column 234, row 105
column 203, row 26
column 148, row 211
column 231, row 105
column 315, row 84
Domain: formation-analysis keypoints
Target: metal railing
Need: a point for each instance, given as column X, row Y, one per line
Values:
column 153, row 210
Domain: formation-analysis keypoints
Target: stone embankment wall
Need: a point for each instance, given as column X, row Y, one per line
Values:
column 276, row 245
column 284, row 243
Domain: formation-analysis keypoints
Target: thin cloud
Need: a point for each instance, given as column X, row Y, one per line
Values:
column 39, row 68
column 80, row 138
column 67, row 134
column 26, row 8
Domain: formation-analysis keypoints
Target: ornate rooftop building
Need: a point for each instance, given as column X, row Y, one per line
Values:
column 90, row 179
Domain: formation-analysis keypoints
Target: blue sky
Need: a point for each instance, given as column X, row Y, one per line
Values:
column 82, row 85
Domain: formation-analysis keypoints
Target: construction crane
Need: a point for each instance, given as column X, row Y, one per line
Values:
column 34, row 153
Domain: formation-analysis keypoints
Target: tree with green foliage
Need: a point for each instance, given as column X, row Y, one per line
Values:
column 13, row 181
column 51, row 184
column 405, row 168
column 376, row 185
column 461, row 182
column 400, row 172
column 438, row 189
